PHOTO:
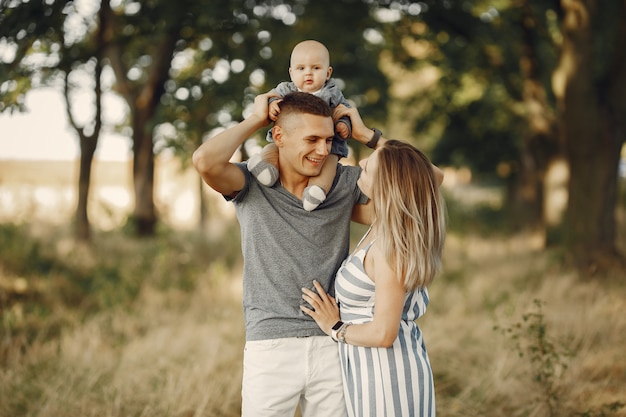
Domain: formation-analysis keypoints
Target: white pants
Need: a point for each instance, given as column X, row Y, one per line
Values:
column 279, row 374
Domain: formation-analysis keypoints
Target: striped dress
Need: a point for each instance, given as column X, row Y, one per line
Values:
column 383, row 382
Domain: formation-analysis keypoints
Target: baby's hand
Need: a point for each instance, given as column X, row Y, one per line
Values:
column 274, row 110
column 343, row 129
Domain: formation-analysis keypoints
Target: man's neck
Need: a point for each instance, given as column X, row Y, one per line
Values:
column 292, row 181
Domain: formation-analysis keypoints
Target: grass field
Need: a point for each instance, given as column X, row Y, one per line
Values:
column 155, row 328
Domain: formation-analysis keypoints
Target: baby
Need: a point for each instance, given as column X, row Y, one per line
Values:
column 310, row 72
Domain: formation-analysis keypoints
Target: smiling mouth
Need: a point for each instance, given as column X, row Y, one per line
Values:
column 314, row 160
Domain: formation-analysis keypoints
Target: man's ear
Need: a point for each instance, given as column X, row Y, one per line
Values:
column 277, row 135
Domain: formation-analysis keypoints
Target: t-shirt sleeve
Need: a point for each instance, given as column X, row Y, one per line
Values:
column 241, row 195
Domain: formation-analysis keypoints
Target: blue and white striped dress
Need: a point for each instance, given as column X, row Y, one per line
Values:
column 383, row 382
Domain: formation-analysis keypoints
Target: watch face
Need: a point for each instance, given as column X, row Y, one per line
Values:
column 338, row 325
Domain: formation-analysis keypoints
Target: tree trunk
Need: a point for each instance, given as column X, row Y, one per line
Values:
column 88, row 143
column 87, row 150
column 592, row 143
column 541, row 145
column 144, row 214
column 143, row 100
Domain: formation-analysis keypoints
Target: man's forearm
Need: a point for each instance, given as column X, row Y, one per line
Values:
column 218, row 150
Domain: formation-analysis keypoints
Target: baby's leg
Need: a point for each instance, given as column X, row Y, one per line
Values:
column 269, row 154
column 264, row 166
column 315, row 193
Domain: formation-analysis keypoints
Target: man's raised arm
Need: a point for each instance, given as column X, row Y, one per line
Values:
column 212, row 158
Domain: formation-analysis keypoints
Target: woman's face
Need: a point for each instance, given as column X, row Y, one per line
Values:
column 369, row 167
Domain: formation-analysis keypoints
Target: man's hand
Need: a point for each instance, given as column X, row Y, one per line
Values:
column 262, row 109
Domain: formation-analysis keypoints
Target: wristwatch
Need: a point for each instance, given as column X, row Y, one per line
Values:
column 341, row 336
column 372, row 143
column 335, row 330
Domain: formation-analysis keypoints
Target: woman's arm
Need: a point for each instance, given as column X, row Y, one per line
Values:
column 363, row 134
column 382, row 331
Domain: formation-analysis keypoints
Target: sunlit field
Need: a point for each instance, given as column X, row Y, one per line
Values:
column 154, row 327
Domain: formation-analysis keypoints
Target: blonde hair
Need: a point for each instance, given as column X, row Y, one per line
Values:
column 410, row 213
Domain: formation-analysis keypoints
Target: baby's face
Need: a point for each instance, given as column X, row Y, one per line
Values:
column 310, row 67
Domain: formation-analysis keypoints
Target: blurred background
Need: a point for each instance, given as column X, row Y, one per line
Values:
column 120, row 272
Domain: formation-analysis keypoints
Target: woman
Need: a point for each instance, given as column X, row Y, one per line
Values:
column 381, row 287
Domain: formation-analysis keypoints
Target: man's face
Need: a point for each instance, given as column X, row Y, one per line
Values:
column 304, row 141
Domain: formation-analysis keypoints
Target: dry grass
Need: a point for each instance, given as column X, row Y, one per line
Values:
column 174, row 348
column 179, row 353
column 174, row 353
column 494, row 282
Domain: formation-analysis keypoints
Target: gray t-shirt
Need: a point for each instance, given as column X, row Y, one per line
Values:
column 285, row 247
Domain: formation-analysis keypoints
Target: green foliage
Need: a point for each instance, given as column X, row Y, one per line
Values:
column 454, row 74
column 27, row 28
column 228, row 67
column 485, row 215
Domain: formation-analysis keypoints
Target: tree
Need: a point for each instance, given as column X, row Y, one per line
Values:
column 88, row 141
column 127, row 51
column 517, row 87
column 491, row 88
column 141, row 43
column 219, row 75
column 540, row 144
column 33, row 30
column 590, row 83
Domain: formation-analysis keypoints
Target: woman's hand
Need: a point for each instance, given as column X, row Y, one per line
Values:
column 326, row 312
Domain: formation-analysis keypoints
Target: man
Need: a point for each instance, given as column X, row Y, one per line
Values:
column 288, row 360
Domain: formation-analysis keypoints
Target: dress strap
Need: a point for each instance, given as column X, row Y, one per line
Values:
column 363, row 237
column 356, row 248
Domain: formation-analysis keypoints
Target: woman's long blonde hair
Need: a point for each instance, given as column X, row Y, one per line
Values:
column 410, row 215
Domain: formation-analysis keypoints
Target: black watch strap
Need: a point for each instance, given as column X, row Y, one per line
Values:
column 372, row 143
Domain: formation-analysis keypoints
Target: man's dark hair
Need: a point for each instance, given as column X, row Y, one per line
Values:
column 298, row 102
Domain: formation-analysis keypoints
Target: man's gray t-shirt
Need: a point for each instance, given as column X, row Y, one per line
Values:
column 286, row 247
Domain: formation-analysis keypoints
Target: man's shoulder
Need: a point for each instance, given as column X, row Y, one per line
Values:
column 346, row 180
column 237, row 196
column 348, row 168
column 349, row 172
